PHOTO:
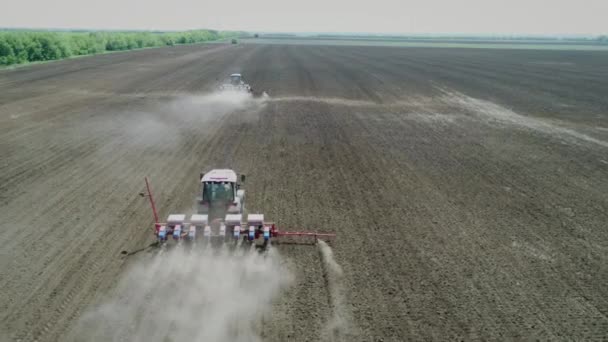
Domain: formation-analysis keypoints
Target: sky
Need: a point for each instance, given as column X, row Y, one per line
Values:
column 377, row 16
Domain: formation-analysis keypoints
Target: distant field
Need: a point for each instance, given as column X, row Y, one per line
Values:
column 436, row 43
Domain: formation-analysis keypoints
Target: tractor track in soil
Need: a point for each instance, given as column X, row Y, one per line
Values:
column 467, row 187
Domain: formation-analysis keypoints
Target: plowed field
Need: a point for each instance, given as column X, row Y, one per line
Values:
column 468, row 188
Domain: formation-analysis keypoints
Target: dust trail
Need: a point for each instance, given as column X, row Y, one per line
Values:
column 413, row 102
column 339, row 328
column 189, row 294
column 492, row 112
column 327, row 100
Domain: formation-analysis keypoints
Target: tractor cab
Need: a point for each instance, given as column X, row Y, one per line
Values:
column 236, row 79
column 235, row 83
column 220, row 194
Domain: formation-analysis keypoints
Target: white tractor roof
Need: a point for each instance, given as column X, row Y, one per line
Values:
column 235, row 75
column 220, row 175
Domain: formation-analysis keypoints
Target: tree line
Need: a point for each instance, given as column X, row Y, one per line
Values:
column 30, row 46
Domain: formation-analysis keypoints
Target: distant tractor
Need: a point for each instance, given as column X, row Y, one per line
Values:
column 235, row 83
column 234, row 41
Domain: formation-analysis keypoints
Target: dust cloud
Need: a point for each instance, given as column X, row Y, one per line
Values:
column 189, row 294
column 339, row 327
column 209, row 106
column 166, row 123
column 165, row 119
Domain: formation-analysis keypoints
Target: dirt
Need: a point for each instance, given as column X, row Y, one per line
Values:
column 467, row 187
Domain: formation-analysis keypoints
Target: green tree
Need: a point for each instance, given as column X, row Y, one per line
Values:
column 7, row 55
column 24, row 46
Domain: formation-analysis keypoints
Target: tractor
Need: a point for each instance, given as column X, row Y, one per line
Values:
column 221, row 216
column 235, row 83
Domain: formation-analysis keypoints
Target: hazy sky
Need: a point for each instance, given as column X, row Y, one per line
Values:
column 392, row 16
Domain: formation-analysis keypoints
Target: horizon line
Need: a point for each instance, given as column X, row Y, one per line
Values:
column 345, row 33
